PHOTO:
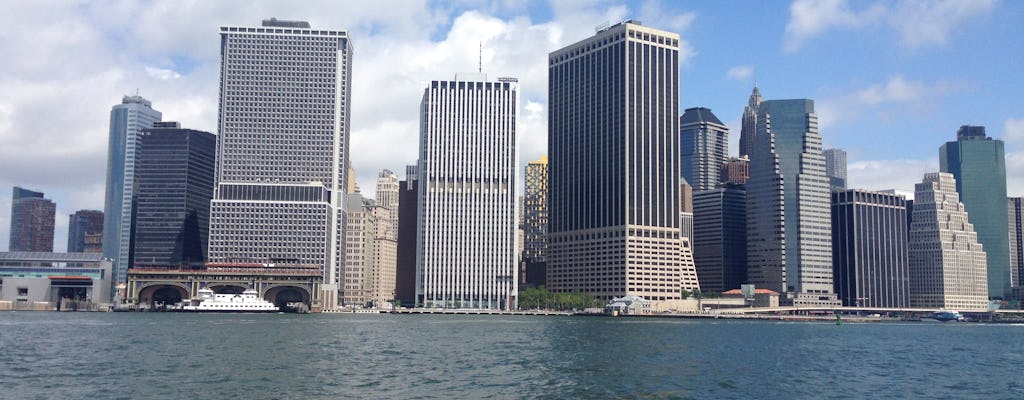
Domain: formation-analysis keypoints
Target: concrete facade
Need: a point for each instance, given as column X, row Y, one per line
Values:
column 54, row 281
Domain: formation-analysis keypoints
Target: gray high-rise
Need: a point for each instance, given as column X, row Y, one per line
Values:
column 127, row 120
column 869, row 248
column 705, row 147
column 748, row 129
column 720, row 237
column 614, row 182
column 282, row 147
column 173, row 188
column 979, row 165
column 835, row 168
column 1015, row 213
column 789, row 242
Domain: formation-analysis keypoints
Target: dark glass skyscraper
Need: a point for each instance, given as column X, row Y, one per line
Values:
column 82, row 224
column 1016, row 217
column 869, row 249
column 173, row 188
column 979, row 166
column 720, row 237
column 408, row 218
column 32, row 217
column 705, row 147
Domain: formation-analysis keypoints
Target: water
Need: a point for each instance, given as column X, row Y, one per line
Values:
column 223, row 356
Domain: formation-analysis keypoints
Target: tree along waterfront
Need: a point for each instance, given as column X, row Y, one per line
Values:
column 540, row 298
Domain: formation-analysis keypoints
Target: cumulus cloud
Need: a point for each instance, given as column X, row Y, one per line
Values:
column 740, row 73
column 161, row 73
column 917, row 22
column 872, row 99
column 1013, row 132
column 901, row 175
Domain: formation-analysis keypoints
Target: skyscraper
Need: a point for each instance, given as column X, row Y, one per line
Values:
column 368, row 278
column 1016, row 217
column 127, row 120
column 83, row 224
column 535, row 221
column 705, row 146
column 466, row 245
column 173, row 188
column 979, row 166
column 835, row 168
column 788, row 164
column 408, row 220
column 946, row 262
column 613, row 188
column 32, row 219
column 283, row 147
column 748, row 129
column 720, row 237
column 387, row 197
column 869, row 248
column 736, row 170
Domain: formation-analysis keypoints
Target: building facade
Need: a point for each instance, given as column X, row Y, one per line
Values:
column 46, row 281
column 467, row 242
column 387, row 196
column 1015, row 215
column 535, row 210
column 979, row 165
column 368, row 278
column 947, row 264
column 748, row 129
column 788, row 165
column 127, row 120
column 82, row 226
column 705, row 147
column 173, row 188
column 408, row 220
column 282, row 147
column 835, row 168
column 32, row 221
column 736, row 170
column 613, row 148
column 720, row 237
column 869, row 249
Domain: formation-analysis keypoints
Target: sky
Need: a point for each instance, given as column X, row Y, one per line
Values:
column 891, row 80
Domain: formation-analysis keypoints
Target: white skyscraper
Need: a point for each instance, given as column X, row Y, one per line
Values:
column 127, row 120
column 387, row 196
column 947, row 265
column 466, row 241
column 282, row 147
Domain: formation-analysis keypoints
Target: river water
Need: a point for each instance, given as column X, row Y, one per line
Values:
column 239, row 356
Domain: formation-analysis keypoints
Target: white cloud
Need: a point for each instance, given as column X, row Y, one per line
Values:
column 1013, row 132
column 740, row 73
column 917, row 22
column 917, row 95
column 161, row 73
column 889, row 174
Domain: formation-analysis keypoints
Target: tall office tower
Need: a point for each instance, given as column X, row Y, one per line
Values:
column 408, row 220
column 946, row 263
column 979, row 166
column 613, row 189
column 466, row 247
column 869, row 248
column 788, row 164
column 720, row 237
column 82, row 224
column 32, row 219
column 283, row 147
column 535, row 220
column 127, row 120
column 835, row 168
column 748, row 129
column 173, row 188
column 1015, row 217
column 705, row 146
column 351, row 183
column 736, row 170
column 686, row 211
column 387, row 196
column 368, row 278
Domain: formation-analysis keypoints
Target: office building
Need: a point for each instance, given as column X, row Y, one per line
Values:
column 748, row 129
column 283, row 148
column 127, row 120
column 408, row 220
column 979, row 166
column 1015, row 215
column 705, row 147
column 788, row 205
column 720, row 237
column 368, row 277
column 869, row 249
column 535, row 221
column 736, row 170
column 173, row 188
column 32, row 220
column 387, row 197
column 835, row 168
column 947, row 264
column 613, row 188
column 85, row 226
column 466, row 246
column 46, row 281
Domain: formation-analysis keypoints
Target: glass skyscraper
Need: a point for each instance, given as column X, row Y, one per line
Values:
column 614, row 181
column 720, row 237
column 748, row 130
column 835, row 168
column 127, row 120
column 705, row 147
column 979, row 166
column 173, row 188
column 82, row 225
column 1015, row 209
column 869, row 248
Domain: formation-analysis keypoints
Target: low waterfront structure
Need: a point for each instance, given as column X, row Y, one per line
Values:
column 54, row 281
column 628, row 305
column 762, row 297
column 154, row 287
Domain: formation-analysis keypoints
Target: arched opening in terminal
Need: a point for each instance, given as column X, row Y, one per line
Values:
column 227, row 289
column 166, row 296
column 289, row 298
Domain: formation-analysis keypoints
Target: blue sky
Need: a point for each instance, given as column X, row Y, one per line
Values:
column 892, row 80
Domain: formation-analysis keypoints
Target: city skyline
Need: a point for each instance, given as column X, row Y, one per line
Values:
column 173, row 63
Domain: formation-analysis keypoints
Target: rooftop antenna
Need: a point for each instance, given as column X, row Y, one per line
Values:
column 480, row 61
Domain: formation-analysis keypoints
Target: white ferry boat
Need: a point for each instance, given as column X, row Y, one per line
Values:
column 247, row 302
